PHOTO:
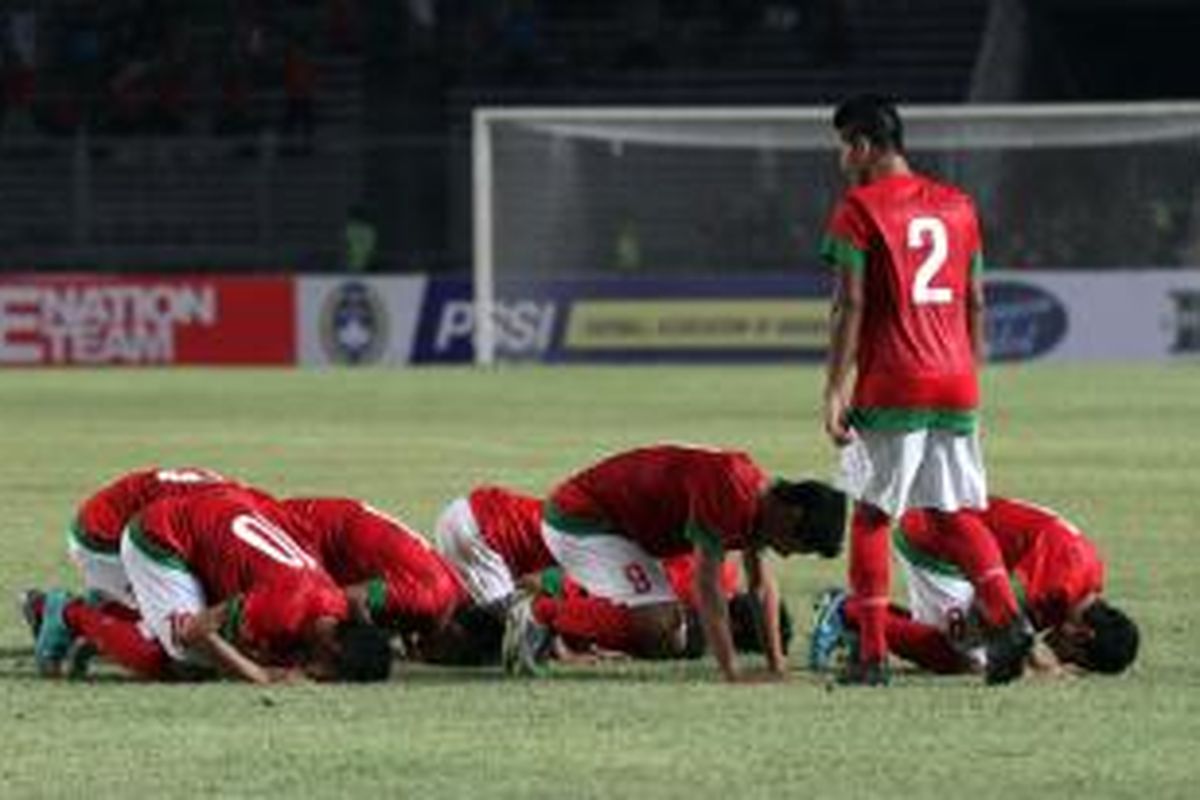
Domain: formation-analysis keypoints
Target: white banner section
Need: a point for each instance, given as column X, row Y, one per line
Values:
column 362, row 321
column 1086, row 316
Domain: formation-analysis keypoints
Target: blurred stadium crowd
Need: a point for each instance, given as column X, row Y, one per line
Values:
column 368, row 102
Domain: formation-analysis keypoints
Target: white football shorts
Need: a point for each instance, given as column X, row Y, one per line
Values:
column 898, row 470
column 456, row 536
column 610, row 566
column 165, row 592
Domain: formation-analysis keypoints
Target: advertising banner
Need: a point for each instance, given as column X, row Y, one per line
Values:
column 345, row 320
column 146, row 319
column 632, row 320
column 1149, row 315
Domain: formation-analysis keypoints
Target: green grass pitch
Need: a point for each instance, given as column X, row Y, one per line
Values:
column 1117, row 448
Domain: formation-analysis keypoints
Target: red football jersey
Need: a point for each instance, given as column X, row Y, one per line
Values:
column 357, row 543
column 681, row 572
column 917, row 245
column 103, row 516
column 667, row 498
column 1053, row 564
column 511, row 524
column 236, row 542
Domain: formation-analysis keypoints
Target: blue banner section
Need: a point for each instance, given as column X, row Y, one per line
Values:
column 632, row 320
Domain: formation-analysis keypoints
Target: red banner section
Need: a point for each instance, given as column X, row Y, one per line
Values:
column 146, row 319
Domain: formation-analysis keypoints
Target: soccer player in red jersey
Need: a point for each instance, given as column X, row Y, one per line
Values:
column 493, row 537
column 907, row 324
column 610, row 525
column 385, row 567
column 93, row 543
column 1056, row 570
column 221, row 582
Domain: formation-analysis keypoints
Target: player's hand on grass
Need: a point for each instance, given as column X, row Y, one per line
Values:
column 758, row 676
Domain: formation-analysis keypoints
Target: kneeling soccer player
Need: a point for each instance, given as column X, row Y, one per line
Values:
column 222, row 583
column 1058, row 576
column 610, row 525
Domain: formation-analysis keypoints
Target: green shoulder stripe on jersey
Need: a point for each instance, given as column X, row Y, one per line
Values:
column 231, row 628
column 921, row 559
column 977, row 264
column 86, row 541
column 153, row 550
column 913, row 419
column 841, row 253
column 703, row 538
column 575, row 526
column 551, row 581
column 376, row 598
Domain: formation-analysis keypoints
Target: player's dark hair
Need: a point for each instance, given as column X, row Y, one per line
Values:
column 1114, row 642
column 364, row 653
column 472, row 639
column 824, row 510
column 872, row 117
column 746, row 623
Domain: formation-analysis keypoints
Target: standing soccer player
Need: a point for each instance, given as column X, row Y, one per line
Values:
column 907, row 323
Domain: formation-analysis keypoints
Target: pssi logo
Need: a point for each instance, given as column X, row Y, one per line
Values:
column 354, row 324
column 1023, row 321
column 523, row 327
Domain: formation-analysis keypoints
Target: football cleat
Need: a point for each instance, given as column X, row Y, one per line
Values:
column 871, row 673
column 54, row 637
column 31, row 602
column 828, row 629
column 527, row 642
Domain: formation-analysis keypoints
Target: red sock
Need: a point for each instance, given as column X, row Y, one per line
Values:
column 963, row 539
column 923, row 645
column 592, row 619
column 118, row 638
column 870, row 579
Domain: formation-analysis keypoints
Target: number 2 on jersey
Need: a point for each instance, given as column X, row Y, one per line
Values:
column 931, row 232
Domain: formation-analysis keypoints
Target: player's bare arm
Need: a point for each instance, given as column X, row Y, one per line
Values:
column 201, row 633
column 845, row 325
column 760, row 581
column 714, row 614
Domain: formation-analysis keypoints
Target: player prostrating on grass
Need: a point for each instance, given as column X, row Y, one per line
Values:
column 907, row 337
column 386, row 568
column 221, row 582
column 1059, row 576
column 610, row 525
column 94, row 544
column 493, row 537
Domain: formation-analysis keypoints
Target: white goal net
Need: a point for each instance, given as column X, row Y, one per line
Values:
column 698, row 192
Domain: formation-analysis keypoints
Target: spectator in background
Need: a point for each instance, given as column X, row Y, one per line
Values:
column 360, row 239
column 20, row 78
column 300, row 86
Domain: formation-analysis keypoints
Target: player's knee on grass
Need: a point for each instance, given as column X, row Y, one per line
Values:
column 659, row 631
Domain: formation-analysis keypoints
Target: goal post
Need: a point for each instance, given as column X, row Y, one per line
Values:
column 647, row 192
